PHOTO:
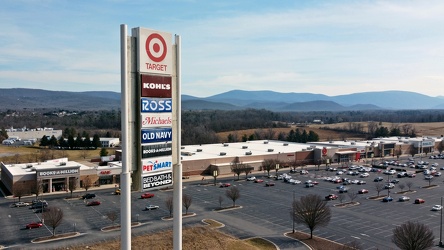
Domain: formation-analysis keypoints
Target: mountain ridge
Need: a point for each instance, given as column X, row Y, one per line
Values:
column 22, row 98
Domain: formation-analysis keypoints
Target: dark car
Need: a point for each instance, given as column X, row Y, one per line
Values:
column 379, row 178
column 387, row 199
column 39, row 205
column 93, row 203
column 88, row 196
column 42, row 210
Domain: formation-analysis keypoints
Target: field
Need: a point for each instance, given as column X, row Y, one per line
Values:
column 422, row 129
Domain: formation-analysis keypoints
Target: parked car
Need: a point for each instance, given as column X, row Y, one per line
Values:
column 436, row 208
column 42, row 210
column 361, row 182
column 343, row 190
column 269, row 184
column 117, row 192
column 419, row 201
column 387, row 199
column 331, row 197
column 437, row 174
column 251, row 178
column 379, row 178
column 93, row 203
column 222, row 185
column 151, row 207
column 257, row 181
column 88, row 196
column 34, row 225
column 309, row 185
column 428, row 177
column 389, row 186
column 404, row 198
column 394, row 181
column 362, row 191
column 20, row 204
column 39, row 205
column 363, row 175
column 411, row 175
column 146, row 195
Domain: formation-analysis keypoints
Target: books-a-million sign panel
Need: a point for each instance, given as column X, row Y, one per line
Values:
column 155, row 66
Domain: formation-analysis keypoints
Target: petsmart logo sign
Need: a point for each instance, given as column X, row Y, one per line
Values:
column 157, row 164
column 149, row 105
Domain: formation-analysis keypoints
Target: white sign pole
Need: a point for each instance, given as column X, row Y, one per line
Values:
column 177, row 167
column 125, row 202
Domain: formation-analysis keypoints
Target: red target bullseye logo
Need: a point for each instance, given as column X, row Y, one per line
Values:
column 156, row 47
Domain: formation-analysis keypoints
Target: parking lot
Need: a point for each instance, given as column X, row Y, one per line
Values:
column 265, row 210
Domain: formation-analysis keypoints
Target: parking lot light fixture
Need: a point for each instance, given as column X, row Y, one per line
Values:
column 440, row 228
column 215, row 175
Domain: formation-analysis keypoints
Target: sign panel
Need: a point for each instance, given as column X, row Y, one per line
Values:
column 157, row 164
column 153, row 150
column 154, row 51
column 58, row 172
column 151, row 120
column 157, row 180
column 156, row 135
column 156, row 86
column 148, row 105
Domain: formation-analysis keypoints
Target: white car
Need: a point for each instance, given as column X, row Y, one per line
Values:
column 389, row 186
column 339, row 172
column 428, row 177
column 437, row 174
column 363, row 175
column 404, row 198
column 294, row 182
column 251, row 178
column 436, row 208
column 151, row 207
column 21, row 204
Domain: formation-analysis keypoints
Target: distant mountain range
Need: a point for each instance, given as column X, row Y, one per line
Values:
column 19, row 98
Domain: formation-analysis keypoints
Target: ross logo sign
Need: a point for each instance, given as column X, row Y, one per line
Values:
column 149, row 105
column 151, row 120
column 158, row 180
column 153, row 150
column 156, row 86
column 157, row 164
column 156, row 135
column 154, row 51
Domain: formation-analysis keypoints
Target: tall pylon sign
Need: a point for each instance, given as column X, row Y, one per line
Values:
column 151, row 114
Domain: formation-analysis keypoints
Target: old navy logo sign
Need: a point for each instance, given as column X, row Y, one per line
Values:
column 156, row 86
column 156, row 105
column 157, row 164
column 153, row 150
column 158, row 180
column 157, row 135
column 150, row 120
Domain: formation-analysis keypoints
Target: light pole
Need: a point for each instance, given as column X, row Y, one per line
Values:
column 440, row 228
column 292, row 211
column 215, row 175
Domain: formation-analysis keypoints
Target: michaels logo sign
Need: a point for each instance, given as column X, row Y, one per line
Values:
column 150, row 120
column 157, row 135
column 156, row 105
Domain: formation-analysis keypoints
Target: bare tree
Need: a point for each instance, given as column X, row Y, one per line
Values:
column 221, row 199
column 37, row 189
column 352, row 195
column 53, row 217
column 401, row 186
column 341, row 198
column 312, row 211
column 236, row 166
column 112, row 216
column 409, row 184
column 87, row 183
column 268, row 165
column 233, row 194
column 186, row 200
column 379, row 187
column 247, row 169
column 72, row 184
column 169, row 205
column 353, row 245
column 18, row 190
column 413, row 236
column 430, row 180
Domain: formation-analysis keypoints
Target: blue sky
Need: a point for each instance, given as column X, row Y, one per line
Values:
column 323, row 47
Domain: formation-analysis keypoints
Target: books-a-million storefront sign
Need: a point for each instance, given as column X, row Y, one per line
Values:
column 58, row 172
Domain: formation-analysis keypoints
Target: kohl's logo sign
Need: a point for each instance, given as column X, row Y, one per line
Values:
column 156, row 105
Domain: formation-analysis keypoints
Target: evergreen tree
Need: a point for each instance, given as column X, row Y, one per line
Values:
column 96, row 141
column 44, row 141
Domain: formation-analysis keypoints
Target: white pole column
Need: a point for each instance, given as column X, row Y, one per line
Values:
column 177, row 167
column 125, row 202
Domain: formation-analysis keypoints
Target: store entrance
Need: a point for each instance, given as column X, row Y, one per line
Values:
column 59, row 184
